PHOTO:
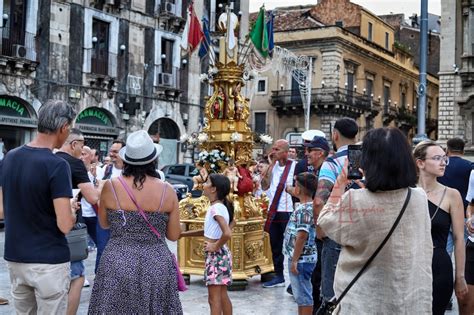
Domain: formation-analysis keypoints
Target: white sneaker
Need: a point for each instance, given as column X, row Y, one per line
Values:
column 86, row 283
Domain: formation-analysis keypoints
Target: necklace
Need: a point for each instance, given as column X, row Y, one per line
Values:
column 432, row 190
column 215, row 201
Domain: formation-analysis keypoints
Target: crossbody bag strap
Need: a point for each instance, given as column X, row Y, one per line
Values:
column 405, row 204
column 140, row 209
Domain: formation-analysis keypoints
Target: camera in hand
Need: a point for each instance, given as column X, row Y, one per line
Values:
column 354, row 156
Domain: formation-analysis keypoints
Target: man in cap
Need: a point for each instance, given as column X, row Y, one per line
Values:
column 343, row 134
column 307, row 136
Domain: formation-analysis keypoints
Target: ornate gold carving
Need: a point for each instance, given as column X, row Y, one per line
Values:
column 193, row 208
column 199, row 249
column 254, row 250
column 251, row 227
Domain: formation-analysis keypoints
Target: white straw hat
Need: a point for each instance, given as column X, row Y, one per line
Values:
column 140, row 149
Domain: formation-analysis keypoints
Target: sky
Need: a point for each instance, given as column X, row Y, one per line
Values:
column 378, row 7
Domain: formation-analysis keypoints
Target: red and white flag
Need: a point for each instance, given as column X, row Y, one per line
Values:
column 192, row 34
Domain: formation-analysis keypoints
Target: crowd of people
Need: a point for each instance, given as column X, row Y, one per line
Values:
column 382, row 244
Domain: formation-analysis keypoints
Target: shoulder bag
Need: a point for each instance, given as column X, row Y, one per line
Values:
column 328, row 308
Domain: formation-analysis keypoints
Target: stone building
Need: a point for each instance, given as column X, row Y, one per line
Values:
column 358, row 72
column 118, row 61
column 456, row 75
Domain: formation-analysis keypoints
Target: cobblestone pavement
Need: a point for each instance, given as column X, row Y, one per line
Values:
column 254, row 300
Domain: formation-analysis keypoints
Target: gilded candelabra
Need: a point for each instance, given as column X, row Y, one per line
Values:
column 227, row 128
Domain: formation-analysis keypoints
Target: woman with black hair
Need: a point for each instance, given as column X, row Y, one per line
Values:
column 398, row 280
column 218, row 267
column 137, row 272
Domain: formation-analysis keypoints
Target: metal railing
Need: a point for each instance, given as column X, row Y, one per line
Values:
column 18, row 44
column 100, row 65
column 323, row 96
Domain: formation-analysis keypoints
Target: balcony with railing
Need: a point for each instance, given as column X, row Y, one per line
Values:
column 18, row 44
column 325, row 101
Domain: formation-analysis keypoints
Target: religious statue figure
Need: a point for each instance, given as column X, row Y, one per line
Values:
column 241, row 104
column 201, row 178
column 232, row 173
column 219, row 104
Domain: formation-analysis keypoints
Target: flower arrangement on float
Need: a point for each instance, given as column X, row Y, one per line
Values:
column 215, row 159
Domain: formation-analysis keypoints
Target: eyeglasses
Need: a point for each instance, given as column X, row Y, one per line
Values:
column 439, row 158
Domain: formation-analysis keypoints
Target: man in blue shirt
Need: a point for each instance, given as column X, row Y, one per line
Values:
column 36, row 191
column 456, row 175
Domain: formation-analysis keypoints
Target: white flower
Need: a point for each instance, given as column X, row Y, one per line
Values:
column 202, row 137
column 213, row 70
column 222, row 153
column 213, row 165
column 235, row 137
column 184, row 138
column 203, row 77
column 266, row 139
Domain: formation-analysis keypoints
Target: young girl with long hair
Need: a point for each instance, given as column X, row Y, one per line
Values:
column 218, row 267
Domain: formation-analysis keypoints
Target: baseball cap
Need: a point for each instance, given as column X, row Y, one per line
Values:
column 308, row 135
column 318, row 142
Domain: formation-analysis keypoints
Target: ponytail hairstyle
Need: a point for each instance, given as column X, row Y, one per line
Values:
column 222, row 184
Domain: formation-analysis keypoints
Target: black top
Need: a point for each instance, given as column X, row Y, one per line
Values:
column 78, row 169
column 440, row 225
column 31, row 178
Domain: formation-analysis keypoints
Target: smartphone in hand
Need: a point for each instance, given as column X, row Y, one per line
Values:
column 354, row 154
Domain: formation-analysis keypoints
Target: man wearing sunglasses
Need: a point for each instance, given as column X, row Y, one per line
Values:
column 71, row 152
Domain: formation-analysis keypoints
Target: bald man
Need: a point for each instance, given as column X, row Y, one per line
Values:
column 279, row 175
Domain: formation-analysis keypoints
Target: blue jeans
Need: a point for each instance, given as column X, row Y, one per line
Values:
column 329, row 258
column 77, row 269
column 301, row 283
column 103, row 236
column 450, row 242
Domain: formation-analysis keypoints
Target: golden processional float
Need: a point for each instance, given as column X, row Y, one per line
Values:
column 227, row 135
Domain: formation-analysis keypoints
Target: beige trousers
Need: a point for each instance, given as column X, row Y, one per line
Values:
column 40, row 288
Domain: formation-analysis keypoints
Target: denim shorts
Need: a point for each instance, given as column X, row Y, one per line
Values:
column 77, row 269
column 301, row 283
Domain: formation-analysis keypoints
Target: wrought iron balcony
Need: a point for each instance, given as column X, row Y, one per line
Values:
column 324, row 101
column 18, row 44
column 467, row 70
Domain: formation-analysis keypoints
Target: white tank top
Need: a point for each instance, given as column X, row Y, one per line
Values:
column 211, row 226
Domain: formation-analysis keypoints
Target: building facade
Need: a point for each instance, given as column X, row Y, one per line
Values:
column 118, row 61
column 358, row 71
column 456, row 109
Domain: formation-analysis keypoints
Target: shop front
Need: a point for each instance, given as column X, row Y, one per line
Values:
column 18, row 122
column 99, row 128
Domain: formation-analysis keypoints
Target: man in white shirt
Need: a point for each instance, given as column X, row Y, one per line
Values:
column 107, row 172
column 279, row 175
